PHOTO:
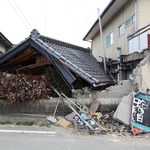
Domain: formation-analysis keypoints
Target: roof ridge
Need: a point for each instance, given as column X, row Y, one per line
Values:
column 35, row 34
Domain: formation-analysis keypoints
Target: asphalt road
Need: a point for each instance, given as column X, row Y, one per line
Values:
column 35, row 138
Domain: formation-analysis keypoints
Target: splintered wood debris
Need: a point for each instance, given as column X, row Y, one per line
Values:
column 21, row 88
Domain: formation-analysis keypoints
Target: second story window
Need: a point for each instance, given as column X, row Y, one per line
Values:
column 109, row 39
column 130, row 21
column 121, row 29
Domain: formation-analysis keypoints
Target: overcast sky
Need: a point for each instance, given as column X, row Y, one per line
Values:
column 65, row 20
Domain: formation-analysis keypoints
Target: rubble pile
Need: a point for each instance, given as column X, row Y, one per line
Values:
column 112, row 125
column 101, row 123
column 85, row 119
column 21, row 88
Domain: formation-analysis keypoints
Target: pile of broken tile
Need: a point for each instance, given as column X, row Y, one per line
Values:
column 130, row 118
column 89, row 120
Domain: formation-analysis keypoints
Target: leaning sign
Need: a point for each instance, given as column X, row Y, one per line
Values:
column 140, row 120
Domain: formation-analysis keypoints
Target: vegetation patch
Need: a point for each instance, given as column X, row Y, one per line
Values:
column 19, row 123
column 5, row 122
column 26, row 123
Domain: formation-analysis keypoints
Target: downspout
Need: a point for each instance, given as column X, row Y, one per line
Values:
column 102, row 42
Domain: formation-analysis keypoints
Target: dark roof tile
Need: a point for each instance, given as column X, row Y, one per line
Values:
column 80, row 57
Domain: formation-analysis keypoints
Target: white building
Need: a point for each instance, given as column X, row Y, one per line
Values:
column 120, row 19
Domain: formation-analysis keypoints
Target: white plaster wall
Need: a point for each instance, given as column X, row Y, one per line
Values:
column 97, row 47
column 143, row 12
column 112, row 26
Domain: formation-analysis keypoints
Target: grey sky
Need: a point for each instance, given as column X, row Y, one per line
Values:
column 66, row 20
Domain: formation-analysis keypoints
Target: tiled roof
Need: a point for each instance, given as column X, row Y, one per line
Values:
column 83, row 62
column 77, row 59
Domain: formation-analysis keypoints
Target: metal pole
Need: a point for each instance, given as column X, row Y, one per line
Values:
column 119, row 64
column 136, row 15
column 102, row 42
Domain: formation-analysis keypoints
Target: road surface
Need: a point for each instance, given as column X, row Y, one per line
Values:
column 57, row 138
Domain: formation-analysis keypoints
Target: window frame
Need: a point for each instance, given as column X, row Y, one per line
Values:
column 109, row 39
column 121, row 29
column 130, row 21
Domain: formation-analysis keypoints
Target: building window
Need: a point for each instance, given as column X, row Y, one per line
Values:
column 109, row 39
column 121, row 29
column 130, row 21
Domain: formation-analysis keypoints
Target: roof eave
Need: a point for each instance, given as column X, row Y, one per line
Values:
column 96, row 22
column 102, row 83
column 112, row 8
column 6, row 56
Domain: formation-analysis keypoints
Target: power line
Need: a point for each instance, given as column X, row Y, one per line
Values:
column 17, row 12
column 23, row 14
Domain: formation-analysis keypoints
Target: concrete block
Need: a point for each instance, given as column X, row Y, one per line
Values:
column 123, row 111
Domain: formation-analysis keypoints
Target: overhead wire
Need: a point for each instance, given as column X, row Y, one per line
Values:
column 20, row 15
column 27, row 24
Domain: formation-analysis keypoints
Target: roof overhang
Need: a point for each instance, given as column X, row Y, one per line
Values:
column 112, row 8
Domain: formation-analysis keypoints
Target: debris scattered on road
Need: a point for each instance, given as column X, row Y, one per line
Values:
column 71, row 117
column 51, row 119
column 95, row 122
column 93, row 107
column 63, row 122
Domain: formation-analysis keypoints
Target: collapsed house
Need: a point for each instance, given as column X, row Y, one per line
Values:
column 38, row 55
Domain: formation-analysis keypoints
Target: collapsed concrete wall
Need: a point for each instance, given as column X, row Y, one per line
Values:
column 108, row 98
column 136, row 104
column 141, row 75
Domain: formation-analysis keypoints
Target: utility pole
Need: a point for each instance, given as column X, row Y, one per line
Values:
column 101, row 37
